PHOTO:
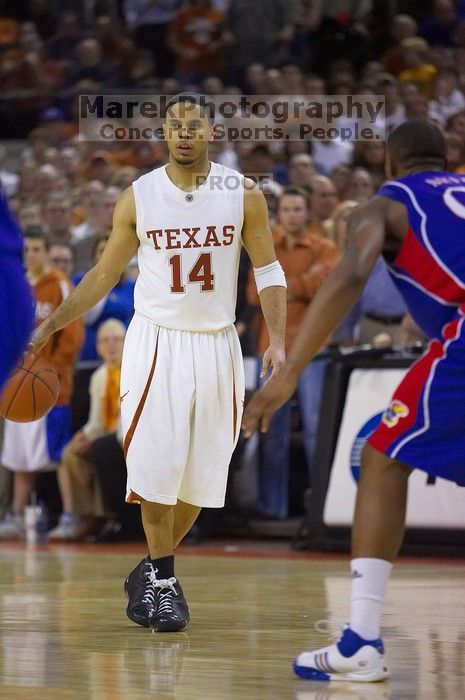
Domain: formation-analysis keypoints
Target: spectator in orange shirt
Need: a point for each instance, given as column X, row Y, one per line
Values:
column 195, row 38
column 306, row 259
column 36, row 446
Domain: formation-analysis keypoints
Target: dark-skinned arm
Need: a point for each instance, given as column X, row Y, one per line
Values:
column 258, row 241
column 334, row 299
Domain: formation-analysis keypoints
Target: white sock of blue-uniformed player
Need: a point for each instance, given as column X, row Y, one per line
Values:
column 369, row 580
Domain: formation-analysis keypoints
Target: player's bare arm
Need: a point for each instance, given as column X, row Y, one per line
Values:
column 334, row 299
column 119, row 250
column 258, row 241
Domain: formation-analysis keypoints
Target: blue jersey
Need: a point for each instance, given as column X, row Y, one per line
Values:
column 11, row 240
column 424, row 424
column 16, row 301
column 429, row 270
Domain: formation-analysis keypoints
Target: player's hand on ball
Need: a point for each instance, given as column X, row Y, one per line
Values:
column 39, row 338
column 275, row 358
column 265, row 402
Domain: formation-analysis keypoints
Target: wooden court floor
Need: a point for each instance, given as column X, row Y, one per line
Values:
column 64, row 633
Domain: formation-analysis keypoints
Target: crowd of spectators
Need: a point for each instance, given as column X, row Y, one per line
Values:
column 65, row 186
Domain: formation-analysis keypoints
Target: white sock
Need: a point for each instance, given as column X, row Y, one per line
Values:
column 369, row 580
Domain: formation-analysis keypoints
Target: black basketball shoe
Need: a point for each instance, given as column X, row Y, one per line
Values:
column 171, row 612
column 140, row 591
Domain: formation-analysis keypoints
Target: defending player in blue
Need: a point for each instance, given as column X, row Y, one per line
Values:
column 16, row 302
column 417, row 222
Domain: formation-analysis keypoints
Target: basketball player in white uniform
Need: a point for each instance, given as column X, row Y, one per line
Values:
column 182, row 384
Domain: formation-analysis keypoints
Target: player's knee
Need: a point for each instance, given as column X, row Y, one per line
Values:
column 375, row 463
column 69, row 456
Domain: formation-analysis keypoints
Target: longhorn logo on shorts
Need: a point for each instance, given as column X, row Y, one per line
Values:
column 392, row 415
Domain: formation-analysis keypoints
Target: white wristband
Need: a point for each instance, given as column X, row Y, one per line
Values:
column 271, row 275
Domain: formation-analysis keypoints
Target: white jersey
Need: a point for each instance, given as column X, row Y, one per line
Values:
column 190, row 244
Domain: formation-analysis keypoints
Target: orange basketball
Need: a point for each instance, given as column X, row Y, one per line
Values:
column 31, row 391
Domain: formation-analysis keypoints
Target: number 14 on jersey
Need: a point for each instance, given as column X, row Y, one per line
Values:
column 201, row 271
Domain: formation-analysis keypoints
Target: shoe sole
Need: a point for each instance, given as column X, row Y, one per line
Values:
column 138, row 619
column 168, row 628
column 370, row 676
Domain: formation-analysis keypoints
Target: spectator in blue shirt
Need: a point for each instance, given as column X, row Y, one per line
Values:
column 380, row 309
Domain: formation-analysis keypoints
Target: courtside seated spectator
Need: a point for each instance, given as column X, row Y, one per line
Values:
column 79, row 488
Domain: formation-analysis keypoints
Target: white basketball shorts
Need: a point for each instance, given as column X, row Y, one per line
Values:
column 37, row 445
column 182, row 397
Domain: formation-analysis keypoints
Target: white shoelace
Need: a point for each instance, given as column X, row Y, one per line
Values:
column 149, row 595
column 165, row 597
column 330, row 628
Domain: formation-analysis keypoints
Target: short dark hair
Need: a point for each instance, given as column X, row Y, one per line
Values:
column 293, row 191
column 417, row 142
column 192, row 98
column 37, row 233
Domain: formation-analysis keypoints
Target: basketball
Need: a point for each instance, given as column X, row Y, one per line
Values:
column 31, row 391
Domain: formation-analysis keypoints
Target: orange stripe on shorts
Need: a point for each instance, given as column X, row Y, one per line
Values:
column 129, row 435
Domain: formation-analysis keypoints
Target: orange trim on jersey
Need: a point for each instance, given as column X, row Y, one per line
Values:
column 129, row 435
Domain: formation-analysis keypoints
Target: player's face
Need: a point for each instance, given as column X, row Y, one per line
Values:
column 35, row 254
column 187, row 133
